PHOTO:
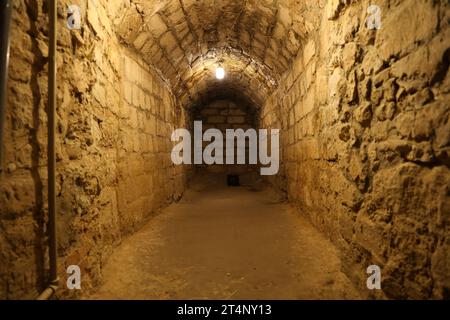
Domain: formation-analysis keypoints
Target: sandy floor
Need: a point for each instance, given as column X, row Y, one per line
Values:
column 222, row 242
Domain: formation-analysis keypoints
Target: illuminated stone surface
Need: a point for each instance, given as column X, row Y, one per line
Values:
column 364, row 119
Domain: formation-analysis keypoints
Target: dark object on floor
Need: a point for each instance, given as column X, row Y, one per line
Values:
column 233, row 180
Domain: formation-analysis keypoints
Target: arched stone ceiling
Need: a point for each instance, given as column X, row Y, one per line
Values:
column 185, row 40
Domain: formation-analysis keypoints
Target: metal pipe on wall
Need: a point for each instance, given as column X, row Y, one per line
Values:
column 51, row 155
column 5, row 24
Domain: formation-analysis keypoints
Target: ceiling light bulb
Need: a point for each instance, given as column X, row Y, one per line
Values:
column 220, row 73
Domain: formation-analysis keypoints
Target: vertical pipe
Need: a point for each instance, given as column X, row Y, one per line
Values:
column 5, row 23
column 51, row 141
column 51, row 113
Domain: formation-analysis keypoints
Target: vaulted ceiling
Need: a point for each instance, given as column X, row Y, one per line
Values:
column 185, row 40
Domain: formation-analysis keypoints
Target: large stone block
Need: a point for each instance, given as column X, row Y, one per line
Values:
column 406, row 24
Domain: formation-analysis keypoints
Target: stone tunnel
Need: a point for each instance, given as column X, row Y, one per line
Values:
column 359, row 91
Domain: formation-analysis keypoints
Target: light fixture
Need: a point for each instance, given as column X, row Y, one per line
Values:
column 220, row 73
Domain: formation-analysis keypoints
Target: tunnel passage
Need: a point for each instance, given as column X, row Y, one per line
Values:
column 363, row 115
column 228, row 110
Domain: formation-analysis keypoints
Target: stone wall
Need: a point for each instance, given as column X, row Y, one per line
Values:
column 226, row 114
column 366, row 141
column 114, row 119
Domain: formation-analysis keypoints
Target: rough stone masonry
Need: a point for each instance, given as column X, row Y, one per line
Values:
column 364, row 119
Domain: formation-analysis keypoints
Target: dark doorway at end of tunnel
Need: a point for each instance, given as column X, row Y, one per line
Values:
column 233, row 180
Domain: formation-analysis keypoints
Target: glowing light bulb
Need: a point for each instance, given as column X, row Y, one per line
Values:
column 220, row 73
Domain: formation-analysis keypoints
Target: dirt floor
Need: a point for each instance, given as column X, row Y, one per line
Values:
column 224, row 242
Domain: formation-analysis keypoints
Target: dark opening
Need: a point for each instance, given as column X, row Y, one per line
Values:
column 233, row 180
